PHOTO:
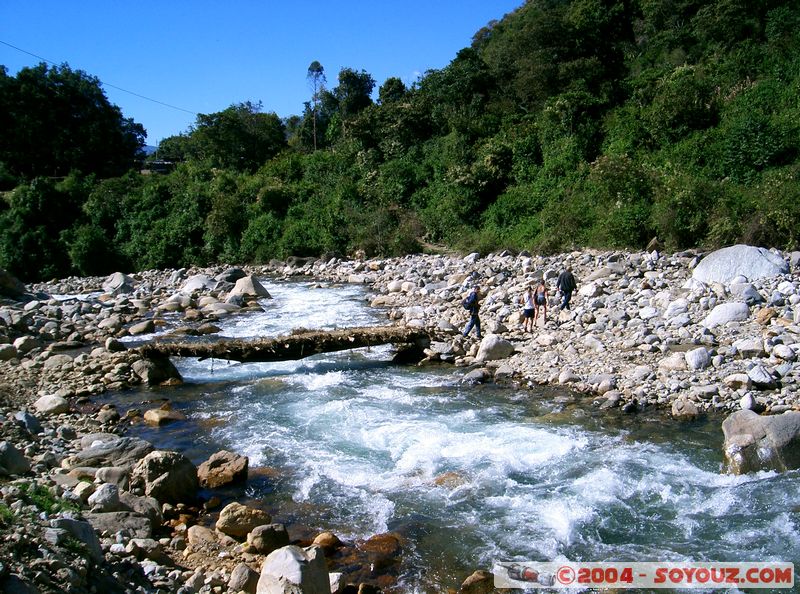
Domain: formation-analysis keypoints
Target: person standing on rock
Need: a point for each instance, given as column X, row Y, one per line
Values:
column 566, row 285
column 527, row 310
column 472, row 304
column 539, row 302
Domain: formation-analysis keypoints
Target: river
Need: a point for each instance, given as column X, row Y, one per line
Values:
column 467, row 475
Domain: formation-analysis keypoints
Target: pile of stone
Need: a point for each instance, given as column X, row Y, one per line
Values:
column 682, row 331
column 84, row 507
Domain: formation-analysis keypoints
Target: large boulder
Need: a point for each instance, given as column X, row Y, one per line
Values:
column 170, row 477
column 230, row 275
column 10, row 286
column 119, row 283
column 109, row 451
column 135, row 524
column 156, row 371
column 292, row 569
column 238, row 520
column 51, row 404
column 726, row 312
column 494, row 347
column 243, row 579
column 722, row 266
column 198, row 282
column 249, row 287
column 83, row 532
column 299, row 261
column 266, row 538
column 754, row 442
column 222, row 468
column 697, row 358
column 8, row 352
column 480, row 582
column 163, row 415
column 12, row 461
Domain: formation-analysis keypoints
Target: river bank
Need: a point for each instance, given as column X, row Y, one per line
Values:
column 641, row 331
column 634, row 339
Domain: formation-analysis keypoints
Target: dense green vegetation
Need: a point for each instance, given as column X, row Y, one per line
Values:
column 566, row 123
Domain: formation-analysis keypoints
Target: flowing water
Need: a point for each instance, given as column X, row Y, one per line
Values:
column 466, row 475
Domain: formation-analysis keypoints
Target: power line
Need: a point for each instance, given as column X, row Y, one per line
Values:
column 105, row 84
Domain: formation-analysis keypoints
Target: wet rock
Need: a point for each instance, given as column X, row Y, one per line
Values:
column 156, row 371
column 145, row 327
column 754, row 442
column 169, row 477
column 328, row 541
column 162, row 415
column 476, row 376
column 684, row 409
column 382, row 550
column 108, row 414
column 222, row 468
column 480, row 582
column 249, row 286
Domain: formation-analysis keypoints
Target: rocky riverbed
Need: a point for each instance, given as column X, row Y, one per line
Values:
column 83, row 509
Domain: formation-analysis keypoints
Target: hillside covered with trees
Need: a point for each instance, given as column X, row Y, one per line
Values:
column 567, row 123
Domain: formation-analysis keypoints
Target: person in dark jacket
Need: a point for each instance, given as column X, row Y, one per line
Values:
column 566, row 285
column 472, row 304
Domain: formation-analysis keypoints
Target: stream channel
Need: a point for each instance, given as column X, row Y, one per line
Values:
column 466, row 475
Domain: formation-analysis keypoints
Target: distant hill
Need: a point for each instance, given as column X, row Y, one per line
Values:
column 149, row 150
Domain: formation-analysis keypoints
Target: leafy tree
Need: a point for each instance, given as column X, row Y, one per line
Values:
column 56, row 120
column 393, row 89
column 316, row 80
column 240, row 137
column 352, row 94
column 174, row 148
column 32, row 245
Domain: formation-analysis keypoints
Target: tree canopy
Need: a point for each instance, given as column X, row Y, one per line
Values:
column 56, row 120
column 564, row 124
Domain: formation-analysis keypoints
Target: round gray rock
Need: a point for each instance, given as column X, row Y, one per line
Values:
column 722, row 266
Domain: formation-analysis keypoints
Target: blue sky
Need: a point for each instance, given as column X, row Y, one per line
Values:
column 203, row 56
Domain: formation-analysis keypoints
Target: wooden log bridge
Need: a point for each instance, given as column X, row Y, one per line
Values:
column 411, row 341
